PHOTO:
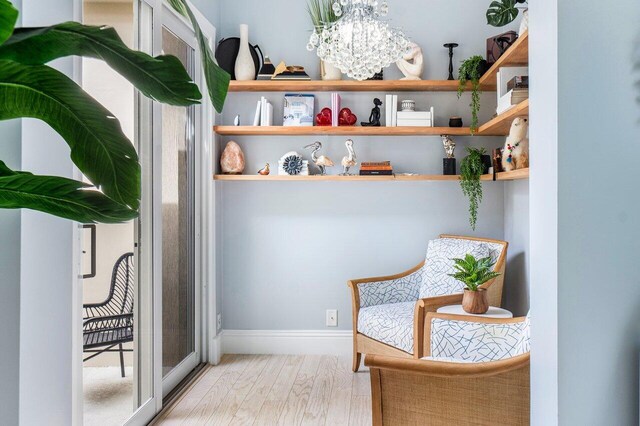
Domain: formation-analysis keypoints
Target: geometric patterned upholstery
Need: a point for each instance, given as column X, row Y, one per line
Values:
column 403, row 289
column 387, row 307
column 439, row 265
column 390, row 323
column 479, row 342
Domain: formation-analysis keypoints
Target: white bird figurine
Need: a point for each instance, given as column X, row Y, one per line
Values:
column 350, row 160
column 321, row 161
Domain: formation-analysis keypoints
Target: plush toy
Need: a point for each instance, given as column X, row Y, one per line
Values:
column 515, row 154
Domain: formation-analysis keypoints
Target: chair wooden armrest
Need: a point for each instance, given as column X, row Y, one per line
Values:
column 424, row 306
column 355, row 282
column 355, row 294
column 408, row 391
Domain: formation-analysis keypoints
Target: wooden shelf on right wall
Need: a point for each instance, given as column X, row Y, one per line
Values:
column 516, row 55
column 501, row 124
column 514, row 175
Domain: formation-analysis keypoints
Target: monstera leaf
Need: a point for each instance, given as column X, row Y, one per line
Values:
column 59, row 196
column 8, row 18
column 217, row 78
column 98, row 146
column 162, row 78
column 502, row 12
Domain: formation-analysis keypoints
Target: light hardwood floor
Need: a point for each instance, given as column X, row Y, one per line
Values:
column 275, row 390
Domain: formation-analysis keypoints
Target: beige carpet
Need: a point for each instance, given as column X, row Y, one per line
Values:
column 108, row 398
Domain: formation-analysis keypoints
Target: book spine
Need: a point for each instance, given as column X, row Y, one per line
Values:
column 414, row 115
column 376, row 172
column 374, row 163
column 376, row 169
column 256, row 118
column 394, row 113
column 388, row 109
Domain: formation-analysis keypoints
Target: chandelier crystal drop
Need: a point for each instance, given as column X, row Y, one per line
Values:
column 359, row 43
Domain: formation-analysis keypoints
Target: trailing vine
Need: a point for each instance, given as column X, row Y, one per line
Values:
column 471, row 169
column 470, row 71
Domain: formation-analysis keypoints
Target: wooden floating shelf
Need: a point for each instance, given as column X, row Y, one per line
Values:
column 334, row 178
column 348, row 131
column 514, row 175
column 350, row 86
column 516, row 55
column 501, row 124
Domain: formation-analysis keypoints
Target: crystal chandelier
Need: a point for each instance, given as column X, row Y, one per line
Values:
column 359, row 44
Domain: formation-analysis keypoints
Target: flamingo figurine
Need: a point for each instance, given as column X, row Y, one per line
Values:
column 350, row 160
column 321, row 161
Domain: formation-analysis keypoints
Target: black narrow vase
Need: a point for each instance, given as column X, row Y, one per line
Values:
column 486, row 163
column 449, row 166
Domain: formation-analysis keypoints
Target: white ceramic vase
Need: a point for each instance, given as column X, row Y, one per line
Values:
column 329, row 72
column 245, row 68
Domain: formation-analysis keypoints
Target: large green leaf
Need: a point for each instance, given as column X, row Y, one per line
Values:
column 217, row 78
column 98, row 146
column 60, row 197
column 163, row 78
column 502, row 12
column 8, row 18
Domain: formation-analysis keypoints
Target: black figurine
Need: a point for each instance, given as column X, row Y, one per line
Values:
column 374, row 119
column 451, row 46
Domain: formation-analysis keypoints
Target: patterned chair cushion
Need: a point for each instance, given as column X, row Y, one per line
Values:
column 391, row 324
column 403, row 289
column 439, row 265
column 478, row 342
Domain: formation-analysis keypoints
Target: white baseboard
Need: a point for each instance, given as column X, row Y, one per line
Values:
column 215, row 350
column 289, row 342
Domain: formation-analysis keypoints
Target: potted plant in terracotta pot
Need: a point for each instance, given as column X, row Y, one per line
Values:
column 473, row 273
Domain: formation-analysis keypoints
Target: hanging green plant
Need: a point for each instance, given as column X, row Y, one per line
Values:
column 470, row 71
column 471, row 169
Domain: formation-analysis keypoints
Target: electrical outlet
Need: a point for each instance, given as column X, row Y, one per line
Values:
column 219, row 321
column 332, row 317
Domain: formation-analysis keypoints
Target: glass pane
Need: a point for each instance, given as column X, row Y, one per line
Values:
column 178, row 313
column 109, row 258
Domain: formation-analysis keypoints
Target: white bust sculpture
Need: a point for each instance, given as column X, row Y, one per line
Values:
column 412, row 63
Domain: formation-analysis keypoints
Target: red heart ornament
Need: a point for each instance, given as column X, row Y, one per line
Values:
column 324, row 118
column 346, row 117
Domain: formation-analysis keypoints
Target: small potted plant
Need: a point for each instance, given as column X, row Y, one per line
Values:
column 322, row 15
column 470, row 71
column 472, row 167
column 473, row 273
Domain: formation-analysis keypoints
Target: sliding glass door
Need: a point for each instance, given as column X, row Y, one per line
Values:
column 179, row 304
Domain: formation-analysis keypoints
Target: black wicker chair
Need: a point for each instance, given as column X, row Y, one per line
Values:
column 110, row 323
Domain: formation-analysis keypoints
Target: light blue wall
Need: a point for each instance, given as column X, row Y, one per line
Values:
column 598, row 203
column 10, row 283
column 289, row 248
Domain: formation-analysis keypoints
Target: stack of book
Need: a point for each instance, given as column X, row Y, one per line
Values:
column 264, row 113
column 511, row 99
column 395, row 118
column 284, row 72
column 512, row 87
column 335, row 109
column 382, row 168
column 415, row 118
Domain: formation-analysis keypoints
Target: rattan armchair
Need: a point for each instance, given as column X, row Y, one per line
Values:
column 397, row 298
column 476, row 376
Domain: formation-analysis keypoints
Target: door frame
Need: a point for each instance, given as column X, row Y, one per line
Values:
column 204, row 217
